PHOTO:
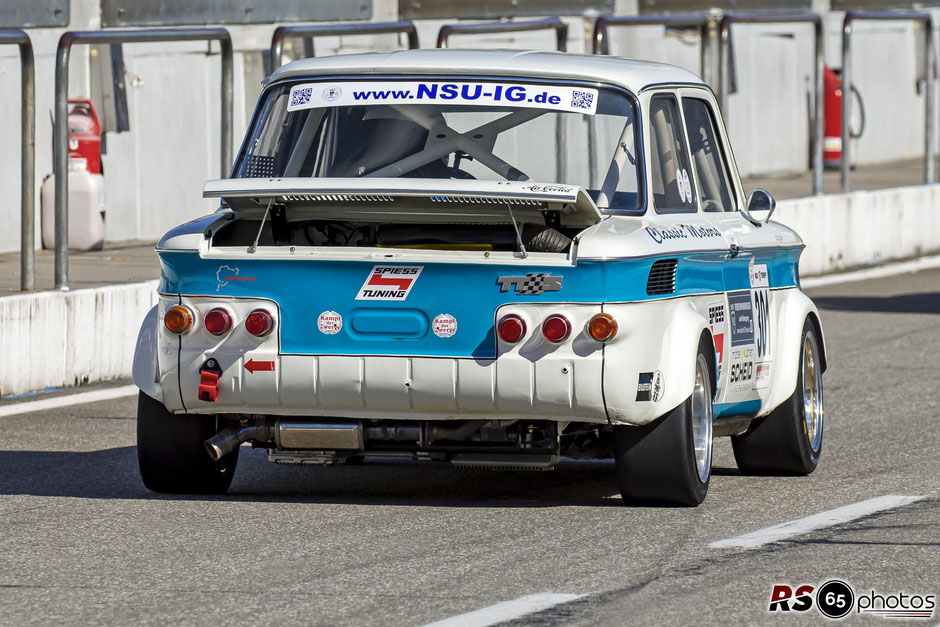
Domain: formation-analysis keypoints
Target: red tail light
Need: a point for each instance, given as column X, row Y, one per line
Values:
column 511, row 328
column 556, row 328
column 259, row 323
column 218, row 321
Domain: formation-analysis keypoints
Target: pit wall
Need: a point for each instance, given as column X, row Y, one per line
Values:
column 58, row 339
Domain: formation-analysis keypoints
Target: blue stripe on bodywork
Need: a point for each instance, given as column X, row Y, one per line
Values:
column 303, row 289
column 744, row 408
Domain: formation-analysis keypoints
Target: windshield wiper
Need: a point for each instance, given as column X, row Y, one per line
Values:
column 515, row 225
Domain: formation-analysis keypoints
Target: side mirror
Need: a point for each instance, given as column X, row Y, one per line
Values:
column 760, row 206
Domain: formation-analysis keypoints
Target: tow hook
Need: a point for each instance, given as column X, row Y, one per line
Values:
column 210, row 373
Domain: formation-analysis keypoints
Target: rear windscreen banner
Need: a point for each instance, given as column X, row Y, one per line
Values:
column 345, row 94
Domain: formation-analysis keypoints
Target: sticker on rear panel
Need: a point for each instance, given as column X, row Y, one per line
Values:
column 741, row 317
column 716, row 322
column 389, row 283
column 444, row 325
column 650, row 386
column 482, row 94
column 330, row 323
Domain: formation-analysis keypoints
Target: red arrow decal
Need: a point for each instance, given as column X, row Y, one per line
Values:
column 253, row 366
column 401, row 284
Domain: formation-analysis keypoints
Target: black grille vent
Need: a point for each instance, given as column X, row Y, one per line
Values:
column 662, row 277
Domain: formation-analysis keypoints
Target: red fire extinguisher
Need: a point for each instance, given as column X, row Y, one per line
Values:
column 832, row 133
column 85, row 133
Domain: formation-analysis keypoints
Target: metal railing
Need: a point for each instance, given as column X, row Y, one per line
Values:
column 60, row 132
column 489, row 28
column 702, row 21
column 308, row 32
column 27, row 156
column 910, row 16
column 785, row 18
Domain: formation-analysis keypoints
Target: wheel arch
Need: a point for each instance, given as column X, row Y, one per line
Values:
column 794, row 308
column 146, row 367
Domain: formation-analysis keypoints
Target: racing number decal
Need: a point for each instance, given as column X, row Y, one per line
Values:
column 762, row 328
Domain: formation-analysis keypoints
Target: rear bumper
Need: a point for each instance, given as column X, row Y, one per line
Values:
column 532, row 380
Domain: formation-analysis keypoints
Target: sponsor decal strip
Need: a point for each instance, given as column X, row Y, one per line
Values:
column 344, row 94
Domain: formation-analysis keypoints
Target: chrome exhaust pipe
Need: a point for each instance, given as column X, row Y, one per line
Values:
column 230, row 438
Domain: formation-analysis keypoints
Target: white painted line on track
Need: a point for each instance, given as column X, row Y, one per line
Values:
column 507, row 610
column 93, row 396
column 879, row 272
column 821, row 520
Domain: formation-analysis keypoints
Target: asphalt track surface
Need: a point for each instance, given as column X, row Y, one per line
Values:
column 391, row 542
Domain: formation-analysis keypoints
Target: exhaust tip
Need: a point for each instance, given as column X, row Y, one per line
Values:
column 214, row 451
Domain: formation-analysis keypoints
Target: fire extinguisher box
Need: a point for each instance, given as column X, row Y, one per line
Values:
column 85, row 133
column 86, row 208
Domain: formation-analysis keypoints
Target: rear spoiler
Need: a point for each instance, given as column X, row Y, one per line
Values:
column 407, row 200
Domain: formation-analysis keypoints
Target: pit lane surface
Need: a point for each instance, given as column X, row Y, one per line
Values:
column 407, row 543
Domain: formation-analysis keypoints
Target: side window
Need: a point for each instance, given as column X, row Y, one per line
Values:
column 673, row 189
column 711, row 171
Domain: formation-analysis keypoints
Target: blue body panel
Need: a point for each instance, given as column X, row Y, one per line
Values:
column 303, row 289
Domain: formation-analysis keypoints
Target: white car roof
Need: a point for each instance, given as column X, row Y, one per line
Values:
column 629, row 73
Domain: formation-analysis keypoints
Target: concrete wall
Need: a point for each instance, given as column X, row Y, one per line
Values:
column 56, row 339
column 844, row 231
column 154, row 173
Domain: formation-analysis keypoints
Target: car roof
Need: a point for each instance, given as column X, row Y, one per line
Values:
column 632, row 74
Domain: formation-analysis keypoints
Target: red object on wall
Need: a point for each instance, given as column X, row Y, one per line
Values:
column 832, row 133
column 85, row 133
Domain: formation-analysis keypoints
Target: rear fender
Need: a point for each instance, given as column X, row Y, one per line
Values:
column 795, row 308
column 658, row 338
column 146, row 369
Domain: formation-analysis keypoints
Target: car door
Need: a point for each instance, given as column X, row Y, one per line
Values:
column 746, row 318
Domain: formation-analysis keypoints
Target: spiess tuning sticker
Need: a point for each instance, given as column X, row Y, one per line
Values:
column 389, row 283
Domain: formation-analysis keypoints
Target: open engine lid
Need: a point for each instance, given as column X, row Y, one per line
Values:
column 406, row 200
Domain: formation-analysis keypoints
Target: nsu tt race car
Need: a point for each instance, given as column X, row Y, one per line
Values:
column 487, row 258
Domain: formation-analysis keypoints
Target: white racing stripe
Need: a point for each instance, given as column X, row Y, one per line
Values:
column 879, row 272
column 507, row 610
column 821, row 520
column 93, row 396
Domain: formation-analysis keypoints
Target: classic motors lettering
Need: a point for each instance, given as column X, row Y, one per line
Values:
column 682, row 231
column 389, row 283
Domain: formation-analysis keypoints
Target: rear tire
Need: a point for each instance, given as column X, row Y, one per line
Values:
column 789, row 440
column 669, row 460
column 171, row 454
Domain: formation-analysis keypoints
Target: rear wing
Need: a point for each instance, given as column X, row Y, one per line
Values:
column 407, row 200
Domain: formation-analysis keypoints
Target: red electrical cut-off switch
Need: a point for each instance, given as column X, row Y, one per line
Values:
column 209, row 375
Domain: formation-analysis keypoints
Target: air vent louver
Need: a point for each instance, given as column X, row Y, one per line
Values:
column 662, row 279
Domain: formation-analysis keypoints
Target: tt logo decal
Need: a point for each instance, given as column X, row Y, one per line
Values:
column 531, row 284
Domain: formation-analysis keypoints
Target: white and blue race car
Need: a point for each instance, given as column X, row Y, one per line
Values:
column 487, row 258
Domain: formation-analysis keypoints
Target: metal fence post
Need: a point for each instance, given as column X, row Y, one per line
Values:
column 701, row 21
column 27, row 156
column 488, row 28
column 819, row 59
column 929, row 125
column 60, row 131
column 321, row 30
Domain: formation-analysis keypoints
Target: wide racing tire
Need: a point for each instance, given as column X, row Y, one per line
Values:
column 669, row 460
column 788, row 441
column 171, row 453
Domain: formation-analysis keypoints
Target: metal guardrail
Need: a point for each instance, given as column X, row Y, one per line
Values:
column 487, row 28
column 60, row 132
column 909, row 16
column 308, row 32
column 27, row 156
column 819, row 59
column 702, row 21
